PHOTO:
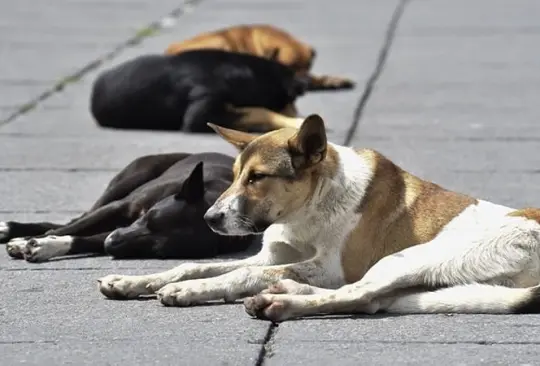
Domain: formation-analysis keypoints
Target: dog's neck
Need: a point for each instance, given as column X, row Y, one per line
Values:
column 342, row 182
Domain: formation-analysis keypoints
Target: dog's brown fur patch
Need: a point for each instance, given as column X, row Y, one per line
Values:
column 530, row 213
column 265, row 120
column 399, row 210
column 260, row 40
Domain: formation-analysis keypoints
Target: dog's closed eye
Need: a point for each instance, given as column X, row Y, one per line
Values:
column 255, row 177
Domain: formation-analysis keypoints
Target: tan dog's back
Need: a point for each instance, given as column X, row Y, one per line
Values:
column 260, row 40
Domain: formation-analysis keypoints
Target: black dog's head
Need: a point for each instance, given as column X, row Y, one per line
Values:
column 173, row 227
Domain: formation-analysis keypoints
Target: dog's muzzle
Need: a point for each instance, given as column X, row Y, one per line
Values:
column 215, row 219
column 124, row 235
column 226, row 217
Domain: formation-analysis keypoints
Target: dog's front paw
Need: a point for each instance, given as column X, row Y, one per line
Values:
column 42, row 249
column 184, row 293
column 275, row 308
column 15, row 248
column 120, row 287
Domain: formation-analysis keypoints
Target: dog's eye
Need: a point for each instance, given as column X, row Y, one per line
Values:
column 255, row 177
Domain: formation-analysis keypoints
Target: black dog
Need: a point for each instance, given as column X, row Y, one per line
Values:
column 188, row 90
column 153, row 208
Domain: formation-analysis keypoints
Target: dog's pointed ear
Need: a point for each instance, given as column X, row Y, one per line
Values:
column 308, row 145
column 193, row 187
column 237, row 138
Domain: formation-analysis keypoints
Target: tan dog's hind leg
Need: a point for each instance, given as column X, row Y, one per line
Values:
column 265, row 120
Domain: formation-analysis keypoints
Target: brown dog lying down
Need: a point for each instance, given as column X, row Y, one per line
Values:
column 268, row 42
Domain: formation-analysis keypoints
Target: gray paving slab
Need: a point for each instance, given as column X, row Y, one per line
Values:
column 80, row 152
column 404, row 353
column 41, row 44
column 86, row 329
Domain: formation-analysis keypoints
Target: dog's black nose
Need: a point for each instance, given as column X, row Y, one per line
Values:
column 214, row 219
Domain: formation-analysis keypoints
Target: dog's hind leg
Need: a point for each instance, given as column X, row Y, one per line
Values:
column 326, row 82
column 43, row 249
column 507, row 254
column 258, row 119
column 14, row 229
column 135, row 174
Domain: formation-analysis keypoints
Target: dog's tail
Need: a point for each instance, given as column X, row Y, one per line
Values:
column 472, row 299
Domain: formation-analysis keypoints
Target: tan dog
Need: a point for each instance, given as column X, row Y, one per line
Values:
column 347, row 230
column 264, row 41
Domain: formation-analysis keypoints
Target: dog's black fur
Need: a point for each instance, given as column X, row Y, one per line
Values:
column 154, row 209
column 187, row 90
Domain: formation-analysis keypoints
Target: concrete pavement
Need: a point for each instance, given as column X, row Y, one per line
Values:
column 455, row 103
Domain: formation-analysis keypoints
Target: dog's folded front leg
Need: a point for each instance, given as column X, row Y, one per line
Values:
column 129, row 287
column 121, row 286
column 237, row 284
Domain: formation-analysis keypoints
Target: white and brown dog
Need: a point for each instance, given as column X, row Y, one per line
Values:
column 348, row 231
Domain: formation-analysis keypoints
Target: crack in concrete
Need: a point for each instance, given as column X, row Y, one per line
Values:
column 27, row 342
column 139, row 36
column 379, row 67
column 61, row 212
column 266, row 348
column 55, row 269
column 482, row 343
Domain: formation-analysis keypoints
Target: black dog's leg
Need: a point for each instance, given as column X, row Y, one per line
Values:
column 88, row 244
column 14, row 229
column 135, row 174
column 208, row 109
column 104, row 218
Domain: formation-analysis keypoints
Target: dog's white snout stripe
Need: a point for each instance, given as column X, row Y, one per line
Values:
column 229, row 205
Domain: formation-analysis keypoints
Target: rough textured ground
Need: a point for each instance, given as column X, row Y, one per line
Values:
column 456, row 103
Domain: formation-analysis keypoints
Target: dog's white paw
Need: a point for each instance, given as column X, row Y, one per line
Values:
column 15, row 247
column 124, row 287
column 184, row 293
column 4, row 230
column 276, row 308
column 42, row 249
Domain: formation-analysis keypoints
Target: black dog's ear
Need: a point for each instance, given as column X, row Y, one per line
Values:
column 308, row 146
column 193, row 187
